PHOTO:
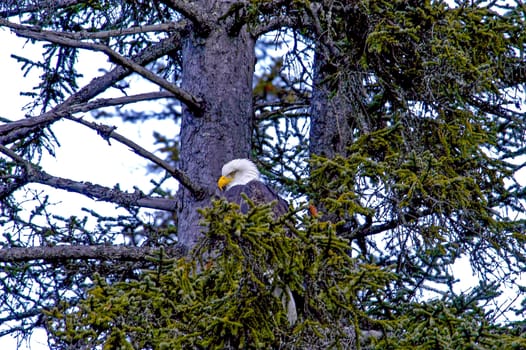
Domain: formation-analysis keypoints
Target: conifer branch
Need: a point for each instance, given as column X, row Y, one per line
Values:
column 104, row 34
column 38, row 6
column 119, row 101
column 52, row 254
column 19, row 129
column 194, row 103
column 108, row 132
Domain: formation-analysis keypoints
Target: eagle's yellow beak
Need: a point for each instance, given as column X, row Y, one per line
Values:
column 223, row 181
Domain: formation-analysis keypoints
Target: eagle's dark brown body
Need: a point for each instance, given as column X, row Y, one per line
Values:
column 259, row 193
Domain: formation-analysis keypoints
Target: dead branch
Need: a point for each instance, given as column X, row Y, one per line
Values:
column 194, row 103
column 118, row 101
column 104, row 34
column 138, row 199
column 52, row 254
column 109, row 132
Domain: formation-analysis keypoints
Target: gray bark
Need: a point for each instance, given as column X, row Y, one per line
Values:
column 330, row 131
column 338, row 113
column 217, row 67
column 338, row 110
column 61, row 253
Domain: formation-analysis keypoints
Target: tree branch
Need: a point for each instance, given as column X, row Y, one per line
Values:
column 162, row 27
column 94, row 191
column 288, row 16
column 109, row 132
column 16, row 130
column 389, row 225
column 275, row 23
column 104, row 34
column 39, row 6
column 19, row 315
column 118, row 101
column 60, row 253
column 193, row 103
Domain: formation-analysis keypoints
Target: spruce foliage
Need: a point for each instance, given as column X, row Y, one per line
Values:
column 229, row 299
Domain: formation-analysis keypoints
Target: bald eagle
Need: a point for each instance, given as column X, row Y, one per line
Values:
column 242, row 176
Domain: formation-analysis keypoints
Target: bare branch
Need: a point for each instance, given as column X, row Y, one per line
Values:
column 103, row 193
column 194, row 103
column 109, row 132
column 368, row 230
column 39, row 6
column 274, row 23
column 118, row 101
column 19, row 315
column 13, row 131
column 97, row 252
column 162, row 27
column 105, row 34
column 18, row 129
column 98, row 192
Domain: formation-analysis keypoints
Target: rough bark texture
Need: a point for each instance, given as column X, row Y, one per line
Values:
column 330, row 131
column 338, row 114
column 337, row 108
column 218, row 68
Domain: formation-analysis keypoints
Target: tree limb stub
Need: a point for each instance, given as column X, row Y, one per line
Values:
column 192, row 12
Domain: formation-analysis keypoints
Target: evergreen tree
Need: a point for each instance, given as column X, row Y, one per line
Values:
column 398, row 124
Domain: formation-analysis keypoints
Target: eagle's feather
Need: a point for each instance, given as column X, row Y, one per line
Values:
column 259, row 193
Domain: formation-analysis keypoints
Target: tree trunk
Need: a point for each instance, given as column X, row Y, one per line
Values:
column 330, row 131
column 338, row 112
column 217, row 67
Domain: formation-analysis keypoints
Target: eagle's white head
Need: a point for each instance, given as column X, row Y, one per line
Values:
column 237, row 172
